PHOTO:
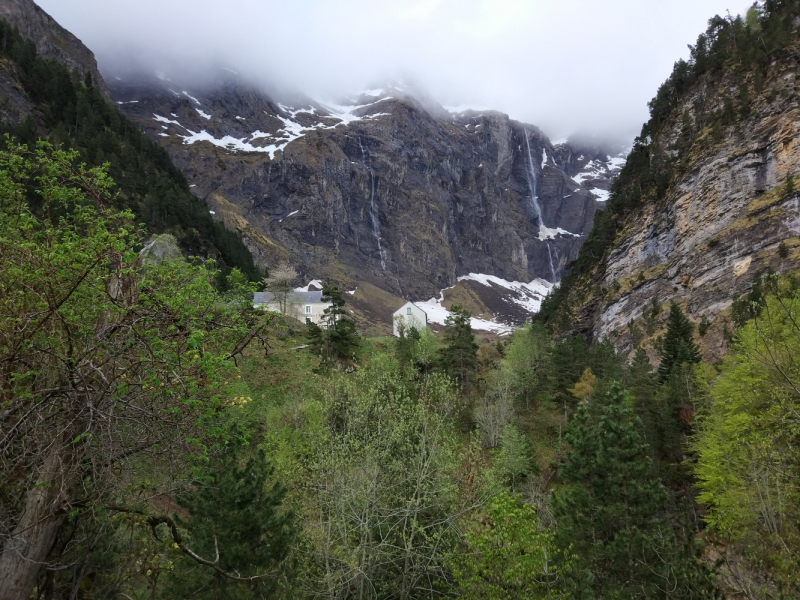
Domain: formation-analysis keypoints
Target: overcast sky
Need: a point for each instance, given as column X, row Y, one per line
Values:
column 565, row 65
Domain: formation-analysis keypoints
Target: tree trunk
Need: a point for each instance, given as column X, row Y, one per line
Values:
column 26, row 550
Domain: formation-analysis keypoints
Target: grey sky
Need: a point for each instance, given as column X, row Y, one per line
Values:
column 564, row 65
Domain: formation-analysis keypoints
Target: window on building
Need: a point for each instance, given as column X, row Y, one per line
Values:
column 308, row 309
column 408, row 310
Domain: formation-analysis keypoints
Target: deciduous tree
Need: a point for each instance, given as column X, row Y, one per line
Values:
column 106, row 366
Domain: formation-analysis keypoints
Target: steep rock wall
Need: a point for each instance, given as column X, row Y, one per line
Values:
column 386, row 189
column 51, row 39
column 730, row 215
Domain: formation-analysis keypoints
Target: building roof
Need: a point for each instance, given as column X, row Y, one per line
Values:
column 292, row 297
column 412, row 304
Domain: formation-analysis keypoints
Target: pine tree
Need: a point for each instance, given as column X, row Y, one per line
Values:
column 611, row 514
column 642, row 383
column 679, row 344
column 339, row 340
column 237, row 515
column 515, row 458
column 460, row 357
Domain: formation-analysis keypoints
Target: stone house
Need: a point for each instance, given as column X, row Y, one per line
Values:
column 303, row 306
column 411, row 315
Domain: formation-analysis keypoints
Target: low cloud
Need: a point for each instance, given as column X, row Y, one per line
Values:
column 575, row 65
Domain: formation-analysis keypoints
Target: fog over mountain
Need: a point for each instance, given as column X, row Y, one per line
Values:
column 576, row 65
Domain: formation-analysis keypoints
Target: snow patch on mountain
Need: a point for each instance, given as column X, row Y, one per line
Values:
column 192, row 98
column 462, row 108
column 548, row 233
column 290, row 131
column 597, row 169
column 315, row 283
column 161, row 119
column 528, row 296
column 438, row 314
column 346, row 113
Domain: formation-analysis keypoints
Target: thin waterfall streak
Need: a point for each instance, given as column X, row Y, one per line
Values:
column 376, row 226
column 532, row 183
column 373, row 213
column 552, row 269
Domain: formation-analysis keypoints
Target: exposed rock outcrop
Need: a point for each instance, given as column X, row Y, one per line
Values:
column 731, row 212
column 51, row 39
column 381, row 187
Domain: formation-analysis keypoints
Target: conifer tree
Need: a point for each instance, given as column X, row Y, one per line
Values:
column 611, row 514
column 460, row 357
column 679, row 345
column 643, row 384
column 339, row 339
column 515, row 456
column 236, row 517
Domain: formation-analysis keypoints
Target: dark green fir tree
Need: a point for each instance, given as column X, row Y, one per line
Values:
column 642, row 382
column 237, row 515
column 611, row 514
column 679, row 345
column 460, row 356
column 338, row 341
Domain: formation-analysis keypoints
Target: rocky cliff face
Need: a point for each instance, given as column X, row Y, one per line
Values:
column 731, row 213
column 52, row 40
column 381, row 187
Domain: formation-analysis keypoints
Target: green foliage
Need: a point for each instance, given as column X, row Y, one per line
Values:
column 514, row 460
column 77, row 116
column 405, row 343
column 338, row 340
column 611, row 513
column 111, row 365
column 233, row 513
column 506, row 556
column 642, row 384
column 730, row 47
column 749, row 306
column 528, row 360
column 702, row 328
column 383, row 495
column 424, row 351
column 747, row 463
column 460, row 356
column 679, row 346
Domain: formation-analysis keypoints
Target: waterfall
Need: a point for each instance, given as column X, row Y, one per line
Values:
column 532, row 183
column 550, row 256
column 376, row 228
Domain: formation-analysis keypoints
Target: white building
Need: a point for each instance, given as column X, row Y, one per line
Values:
column 303, row 306
column 410, row 315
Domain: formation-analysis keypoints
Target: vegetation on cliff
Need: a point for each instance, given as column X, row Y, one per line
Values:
column 160, row 438
column 70, row 112
column 734, row 50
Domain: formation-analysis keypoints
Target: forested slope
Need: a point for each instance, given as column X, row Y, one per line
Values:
column 160, row 438
column 51, row 102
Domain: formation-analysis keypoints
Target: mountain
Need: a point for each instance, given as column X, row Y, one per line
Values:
column 50, row 88
column 51, row 39
column 707, row 200
column 383, row 191
column 384, row 187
